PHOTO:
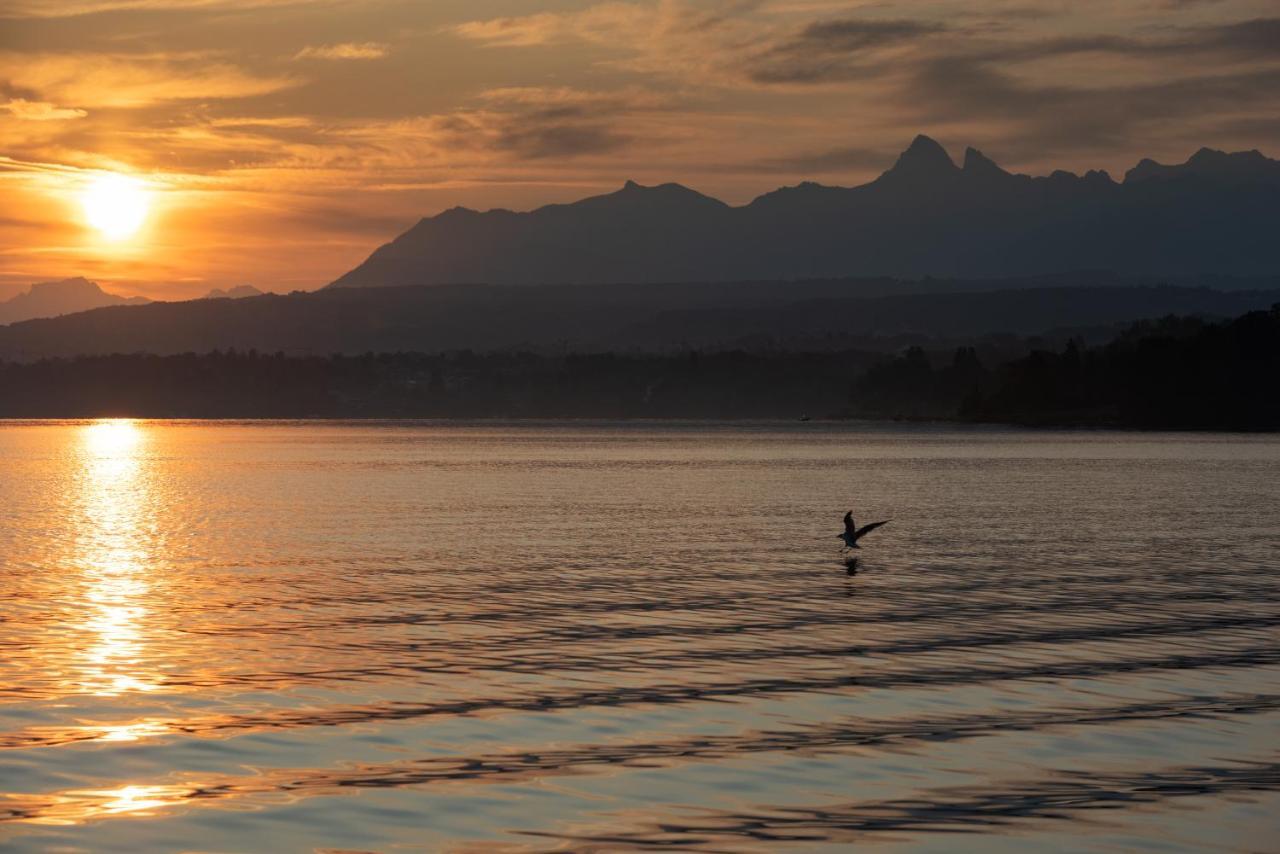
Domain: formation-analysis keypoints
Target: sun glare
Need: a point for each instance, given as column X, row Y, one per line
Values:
column 115, row 205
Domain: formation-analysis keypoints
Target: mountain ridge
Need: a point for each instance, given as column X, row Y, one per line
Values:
column 236, row 292
column 925, row 215
column 59, row 297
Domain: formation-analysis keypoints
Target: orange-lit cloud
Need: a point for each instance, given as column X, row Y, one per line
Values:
column 39, row 111
column 75, row 8
column 346, row 50
column 114, row 80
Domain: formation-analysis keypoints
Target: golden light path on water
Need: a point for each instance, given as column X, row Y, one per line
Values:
column 113, row 557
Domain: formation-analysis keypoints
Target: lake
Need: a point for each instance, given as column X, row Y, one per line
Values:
column 343, row 636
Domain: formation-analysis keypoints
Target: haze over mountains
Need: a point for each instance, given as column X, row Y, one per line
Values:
column 925, row 216
column 877, row 314
column 237, row 292
column 67, row 296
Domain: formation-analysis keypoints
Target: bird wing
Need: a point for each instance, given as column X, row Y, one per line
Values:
column 849, row 527
column 866, row 529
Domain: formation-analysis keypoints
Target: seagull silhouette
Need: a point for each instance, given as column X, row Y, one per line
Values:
column 852, row 533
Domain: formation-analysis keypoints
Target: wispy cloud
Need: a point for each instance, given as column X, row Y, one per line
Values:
column 835, row 49
column 131, row 80
column 75, row 8
column 345, row 50
column 518, row 31
column 40, row 111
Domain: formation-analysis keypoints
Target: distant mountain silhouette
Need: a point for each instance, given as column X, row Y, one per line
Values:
column 1209, row 165
column 1216, row 213
column 51, row 299
column 238, row 292
column 865, row 314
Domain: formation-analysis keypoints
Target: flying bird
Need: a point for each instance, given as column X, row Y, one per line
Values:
column 852, row 533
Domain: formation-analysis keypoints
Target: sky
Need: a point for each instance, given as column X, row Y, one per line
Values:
column 279, row 142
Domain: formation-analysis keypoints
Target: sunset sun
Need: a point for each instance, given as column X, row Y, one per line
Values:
column 115, row 205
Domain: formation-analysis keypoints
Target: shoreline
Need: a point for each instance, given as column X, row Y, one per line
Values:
column 853, row 424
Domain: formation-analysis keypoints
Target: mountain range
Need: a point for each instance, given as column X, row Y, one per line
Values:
column 926, row 216
column 868, row 314
column 67, row 296
column 238, row 292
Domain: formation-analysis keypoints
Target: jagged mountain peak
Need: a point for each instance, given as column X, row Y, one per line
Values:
column 977, row 163
column 924, row 158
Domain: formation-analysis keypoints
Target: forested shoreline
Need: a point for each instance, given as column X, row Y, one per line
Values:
column 1174, row 373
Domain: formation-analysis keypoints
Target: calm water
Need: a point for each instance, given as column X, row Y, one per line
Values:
column 287, row 637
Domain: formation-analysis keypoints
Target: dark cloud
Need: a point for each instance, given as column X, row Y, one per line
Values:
column 1259, row 36
column 846, row 36
column 1252, row 127
column 834, row 160
column 1042, row 119
column 559, row 131
column 533, row 139
column 1187, row 80
column 833, row 50
column 843, row 50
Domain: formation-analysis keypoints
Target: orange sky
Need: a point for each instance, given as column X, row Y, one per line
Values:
column 282, row 140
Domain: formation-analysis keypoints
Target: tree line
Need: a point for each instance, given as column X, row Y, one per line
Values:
column 1174, row 373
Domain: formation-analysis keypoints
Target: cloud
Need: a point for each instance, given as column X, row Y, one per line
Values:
column 850, row 35
column 40, row 111
column 733, row 42
column 76, row 8
column 1041, row 119
column 537, row 136
column 834, row 49
column 262, row 122
column 619, row 25
column 844, row 159
column 533, row 123
column 1258, row 36
column 699, row 43
column 345, row 50
column 629, row 99
column 520, row 31
column 14, row 164
column 130, row 81
column 528, row 134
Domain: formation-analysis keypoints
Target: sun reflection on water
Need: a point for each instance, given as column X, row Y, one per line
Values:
column 113, row 558
column 134, row 798
column 128, row 732
column 77, row 806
